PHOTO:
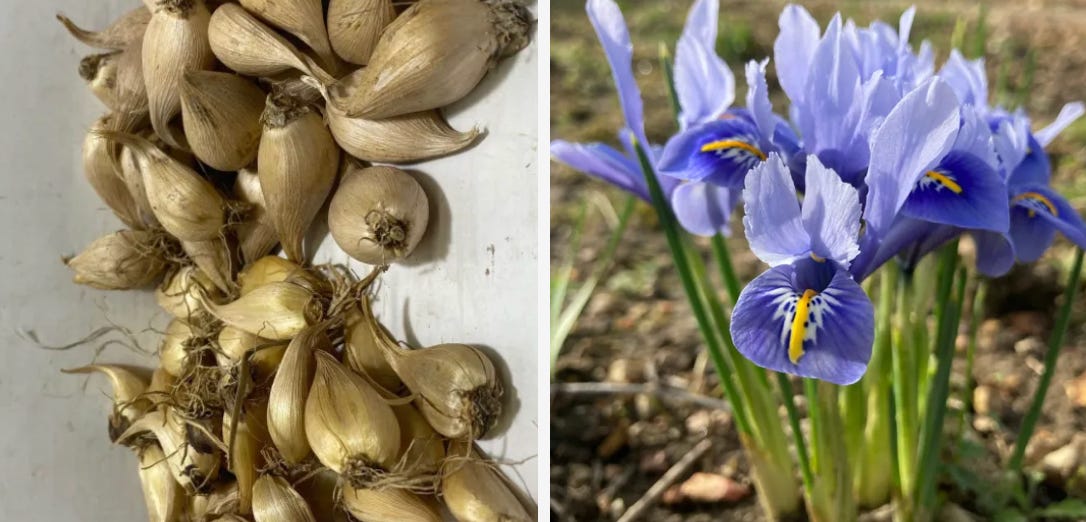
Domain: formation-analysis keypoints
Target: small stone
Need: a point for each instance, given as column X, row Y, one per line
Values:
column 617, row 508
column 1042, row 443
column 646, row 406
column 1060, row 464
column 986, row 400
column 654, row 462
column 698, row 423
column 985, row 424
column 1029, row 346
column 710, row 487
column 625, row 371
column 672, row 495
column 1076, row 390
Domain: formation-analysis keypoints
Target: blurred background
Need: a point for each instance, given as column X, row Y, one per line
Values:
column 632, row 391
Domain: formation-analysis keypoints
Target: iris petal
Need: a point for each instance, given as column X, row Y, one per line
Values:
column 831, row 214
column 773, row 224
column 724, row 149
column 833, row 325
column 995, row 253
column 962, row 191
column 704, row 83
column 910, row 142
column 610, row 26
column 1040, row 202
column 793, row 49
column 703, row 208
column 602, row 162
column 1068, row 114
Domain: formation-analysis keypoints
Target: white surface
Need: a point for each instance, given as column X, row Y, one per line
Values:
column 473, row 280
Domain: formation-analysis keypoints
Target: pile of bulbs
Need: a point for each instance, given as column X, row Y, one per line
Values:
column 279, row 396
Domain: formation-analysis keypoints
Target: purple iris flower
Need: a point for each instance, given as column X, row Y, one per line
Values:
column 933, row 173
column 1037, row 211
column 717, row 144
column 806, row 315
column 599, row 160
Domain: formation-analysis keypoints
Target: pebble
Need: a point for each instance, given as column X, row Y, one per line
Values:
column 1029, row 346
column 707, row 488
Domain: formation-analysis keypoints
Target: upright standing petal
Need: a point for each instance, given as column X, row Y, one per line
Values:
column 704, row 84
column 967, row 78
column 793, row 49
column 911, row 140
column 905, row 26
column 761, row 110
column 809, row 319
column 828, row 117
column 611, row 29
column 1068, row 114
column 831, row 214
column 773, row 224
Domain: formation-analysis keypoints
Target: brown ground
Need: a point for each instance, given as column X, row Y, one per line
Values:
column 606, row 451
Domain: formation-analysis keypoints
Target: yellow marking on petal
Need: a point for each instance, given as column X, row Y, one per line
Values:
column 945, row 181
column 799, row 326
column 1037, row 197
column 818, row 258
column 733, row 144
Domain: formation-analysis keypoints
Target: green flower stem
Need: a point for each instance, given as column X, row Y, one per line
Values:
column 872, row 483
column 1054, row 346
column 904, row 396
column 980, row 294
column 932, row 434
column 682, row 265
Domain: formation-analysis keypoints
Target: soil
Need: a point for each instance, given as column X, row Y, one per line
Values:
column 608, row 450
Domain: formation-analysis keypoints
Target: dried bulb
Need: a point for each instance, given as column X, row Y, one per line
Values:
column 355, row 25
column 122, row 32
column 302, row 18
column 234, row 345
column 162, row 494
column 349, row 426
column 289, row 390
column 457, row 387
column 423, row 449
column 266, row 270
column 276, row 311
column 216, row 259
column 389, row 505
column 174, row 351
column 129, row 385
column 120, row 261
column 222, row 501
column 297, row 163
column 362, row 333
column 221, row 114
column 176, row 41
column 248, row 46
column 195, row 471
column 378, row 215
column 133, row 175
column 188, row 206
column 116, row 78
column 256, row 235
column 100, row 169
column 432, row 55
column 246, row 442
column 179, row 294
column 475, row 492
column 401, row 139
column 320, row 491
column 275, row 501
column 161, row 388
